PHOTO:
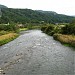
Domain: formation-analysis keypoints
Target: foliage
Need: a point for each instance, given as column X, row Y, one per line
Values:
column 3, row 32
column 23, row 29
column 43, row 28
column 10, row 27
column 48, row 29
column 36, row 27
column 31, row 16
column 29, row 26
column 69, row 29
column 58, row 28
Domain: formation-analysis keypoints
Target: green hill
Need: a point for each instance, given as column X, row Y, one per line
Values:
column 3, row 6
column 32, row 16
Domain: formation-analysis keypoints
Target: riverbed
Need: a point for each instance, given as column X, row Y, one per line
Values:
column 35, row 53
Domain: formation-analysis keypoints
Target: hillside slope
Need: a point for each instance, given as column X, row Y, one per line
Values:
column 32, row 16
column 1, row 7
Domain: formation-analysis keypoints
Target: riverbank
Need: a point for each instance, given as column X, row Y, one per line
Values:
column 58, row 33
column 65, row 39
column 7, row 38
column 35, row 53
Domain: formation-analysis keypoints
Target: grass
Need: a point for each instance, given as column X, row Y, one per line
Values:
column 68, row 45
column 7, row 38
column 3, row 32
column 23, row 29
column 36, row 27
column 67, row 40
column 29, row 28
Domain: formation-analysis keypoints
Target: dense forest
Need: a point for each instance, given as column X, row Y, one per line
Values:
column 9, row 15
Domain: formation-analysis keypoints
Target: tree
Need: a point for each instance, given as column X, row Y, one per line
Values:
column 69, row 29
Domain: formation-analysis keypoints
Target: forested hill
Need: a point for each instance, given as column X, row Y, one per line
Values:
column 32, row 16
column 3, row 6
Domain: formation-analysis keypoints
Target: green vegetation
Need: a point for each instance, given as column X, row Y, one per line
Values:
column 29, row 27
column 63, row 33
column 36, row 27
column 69, row 29
column 16, row 20
column 3, row 6
column 23, row 29
column 8, row 32
column 3, row 32
column 52, row 29
column 24, row 16
column 9, row 27
column 48, row 29
column 68, row 40
column 7, row 38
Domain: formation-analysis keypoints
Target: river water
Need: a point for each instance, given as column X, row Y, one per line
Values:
column 35, row 53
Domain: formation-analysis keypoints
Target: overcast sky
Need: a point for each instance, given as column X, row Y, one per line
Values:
column 60, row 6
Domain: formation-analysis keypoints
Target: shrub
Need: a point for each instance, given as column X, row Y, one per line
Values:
column 43, row 28
column 58, row 29
column 11, row 27
column 3, row 27
column 29, row 26
column 49, row 30
column 69, row 29
column 3, row 32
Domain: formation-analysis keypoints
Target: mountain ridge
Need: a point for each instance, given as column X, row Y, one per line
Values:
column 42, row 11
column 32, row 16
column 3, row 6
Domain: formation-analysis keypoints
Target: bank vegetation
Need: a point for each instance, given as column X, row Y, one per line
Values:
column 63, row 33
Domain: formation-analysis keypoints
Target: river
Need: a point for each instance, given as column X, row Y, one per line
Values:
column 35, row 53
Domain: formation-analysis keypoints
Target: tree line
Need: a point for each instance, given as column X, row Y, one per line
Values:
column 32, row 16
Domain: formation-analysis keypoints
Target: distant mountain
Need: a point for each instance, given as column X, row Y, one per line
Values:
column 73, row 15
column 48, row 12
column 3, row 6
column 32, row 16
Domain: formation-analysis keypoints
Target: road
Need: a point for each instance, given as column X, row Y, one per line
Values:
column 35, row 53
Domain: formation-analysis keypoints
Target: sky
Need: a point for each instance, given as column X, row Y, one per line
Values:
column 66, row 7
